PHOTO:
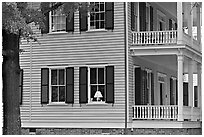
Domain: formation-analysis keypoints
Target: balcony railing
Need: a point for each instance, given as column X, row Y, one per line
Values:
column 155, row 112
column 154, row 37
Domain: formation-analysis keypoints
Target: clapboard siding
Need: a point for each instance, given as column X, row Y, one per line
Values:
column 74, row 49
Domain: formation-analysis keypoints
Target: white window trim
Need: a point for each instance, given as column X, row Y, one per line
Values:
column 50, row 91
column 95, row 30
column 89, row 85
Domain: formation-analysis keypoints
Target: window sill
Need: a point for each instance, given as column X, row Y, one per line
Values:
column 96, row 104
column 59, row 32
column 57, row 104
column 96, row 30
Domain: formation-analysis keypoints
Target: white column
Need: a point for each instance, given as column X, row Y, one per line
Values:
column 190, row 83
column 180, row 60
column 179, row 22
column 190, row 18
column 199, row 88
column 199, row 25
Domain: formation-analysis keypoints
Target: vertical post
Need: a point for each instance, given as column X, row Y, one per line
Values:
column 190, row 86
column 180, row 22
column 199, row 26
column 180, row 60
column 199, row 88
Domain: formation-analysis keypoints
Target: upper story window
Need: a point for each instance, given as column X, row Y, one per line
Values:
column 57, row 20
column 97, row 16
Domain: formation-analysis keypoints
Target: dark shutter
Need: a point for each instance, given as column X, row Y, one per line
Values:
column 138, row 80
column 176, row 92
column 171, row 92
column 21, row 87
column 83, row 85
column 109, row 15
column 70, row 23
column 109, row 84
column 185, row 93
column 44, row 7
column 151, row 19
column 142, row 11
column 195, row 96
column 44, row 85
column 83, row 21
column 170, row 24
column 175, row 26
column 69, row 85
column 152, row 88
column 132, row 17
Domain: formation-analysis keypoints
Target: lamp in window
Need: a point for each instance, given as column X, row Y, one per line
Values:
column 98, row 95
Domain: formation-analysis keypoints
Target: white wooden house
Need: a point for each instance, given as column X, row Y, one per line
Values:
column 123, row 66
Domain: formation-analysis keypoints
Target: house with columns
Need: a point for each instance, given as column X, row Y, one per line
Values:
column 125, row 65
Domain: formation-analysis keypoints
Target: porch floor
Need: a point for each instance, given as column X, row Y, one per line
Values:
column 165, row 124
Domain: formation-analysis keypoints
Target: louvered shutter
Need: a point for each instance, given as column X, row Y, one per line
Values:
column 83, row 20
column 146, row 94
column 109, row 84
column 170, row 24
column 83, row 85
column 195, row 96
column 21, row 87
column 109, row 15
column 142, row 11
column 185, row 93
column 171, row 92
column 151, row 19
column 44, row 85
column 152, row 88
column 132, row 17
column 69, row 85
column 70, row 23
column 44, row 7
column 176, row 92
column 176, row 26
column 138, row 80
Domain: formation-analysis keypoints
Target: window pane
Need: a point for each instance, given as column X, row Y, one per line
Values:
column 102, row 24
column 54, row 94
column 61, row 93
column 54, row 77
column 101, row 6
column 97, row 16
column 61, row 77
column 97, row 6
column 101, row 89
column 97, row 24
column 100, row 75
column 102, row 15
column 93, row 91
column 93, row 75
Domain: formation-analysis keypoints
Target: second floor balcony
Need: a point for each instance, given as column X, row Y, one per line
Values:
column 162, row 38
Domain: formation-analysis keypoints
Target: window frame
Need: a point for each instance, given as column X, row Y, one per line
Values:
column 89, row 20
column 89, row 84
column 50, row 24
column 50, row 85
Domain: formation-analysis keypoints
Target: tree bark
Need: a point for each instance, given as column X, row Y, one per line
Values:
column 10, row 74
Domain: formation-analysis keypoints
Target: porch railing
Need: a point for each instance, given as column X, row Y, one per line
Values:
column 154, row 37
column 155, row 112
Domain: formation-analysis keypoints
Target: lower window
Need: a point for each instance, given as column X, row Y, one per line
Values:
column 57, row 85
column 97, row 84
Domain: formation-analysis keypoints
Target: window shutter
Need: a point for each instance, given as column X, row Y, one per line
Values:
column 83, row 85
column 170, row 24
column 138, row 79
column 70, row 23
column 44, row 85
column 146, row 94
column 21, row 87
column 44, row 7
column 185, row 93
column 152, row 88
column 83, row 21
column 171, row 92
column 132, row 17
column 195, row 96
column 109, row 84
column 176, row 92
column 175, row 26
column 151, row 19
column 69, row 85
column 142, row 11
column 109, row 15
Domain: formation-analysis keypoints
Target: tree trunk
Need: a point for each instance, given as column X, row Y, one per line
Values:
column 10, row 73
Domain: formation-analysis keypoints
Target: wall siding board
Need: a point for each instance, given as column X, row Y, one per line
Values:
column 74, row 49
